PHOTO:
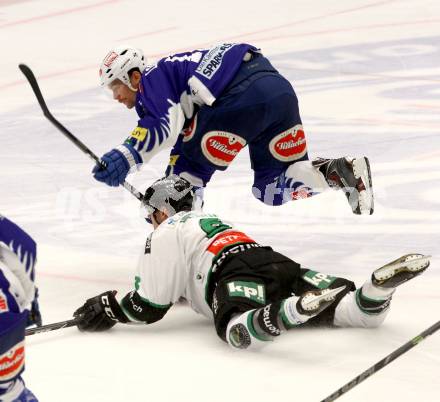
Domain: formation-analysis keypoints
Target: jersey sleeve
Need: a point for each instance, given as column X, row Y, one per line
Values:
column 18, row 251
column 162, row 117
column 160, row 280
column 15, row 239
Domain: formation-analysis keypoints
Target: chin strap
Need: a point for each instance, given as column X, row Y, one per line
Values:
column 133, row 89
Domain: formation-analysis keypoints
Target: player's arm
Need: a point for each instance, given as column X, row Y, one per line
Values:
column 158, row 128
column 102, row 312
column 19, row 252
column 15, row 239
column 159, row 282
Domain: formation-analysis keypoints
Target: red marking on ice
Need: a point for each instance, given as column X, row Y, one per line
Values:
column 421, row 106
column 83, row 278
column 148, row 33
column 56, row 14
column 395, row 123
column 287, row 25
column 200, row 45
column 358, row 28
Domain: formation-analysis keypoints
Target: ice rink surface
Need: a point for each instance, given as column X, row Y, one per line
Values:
column 367, row 74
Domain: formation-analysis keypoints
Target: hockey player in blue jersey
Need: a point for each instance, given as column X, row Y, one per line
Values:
column 208, row 105
column 18, row 307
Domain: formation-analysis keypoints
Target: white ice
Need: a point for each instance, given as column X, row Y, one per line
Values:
column 367, row 76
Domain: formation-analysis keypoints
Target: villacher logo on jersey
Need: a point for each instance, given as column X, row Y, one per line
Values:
column 221, row 147
column 290, row 145
column 3, row 303
column 12, row 362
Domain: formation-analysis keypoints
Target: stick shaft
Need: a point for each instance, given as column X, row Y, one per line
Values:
column 35, row 87
column 52, row 327
column 382, row 363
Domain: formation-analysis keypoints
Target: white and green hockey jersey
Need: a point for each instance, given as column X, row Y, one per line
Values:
column 177, row 262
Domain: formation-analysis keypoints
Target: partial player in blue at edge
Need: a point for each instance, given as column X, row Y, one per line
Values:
column 18, row 308
column 209, row 104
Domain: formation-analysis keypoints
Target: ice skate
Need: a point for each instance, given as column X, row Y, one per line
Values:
column 353, row 176
column 400, row 271
column 298, row 310
column 313, row 302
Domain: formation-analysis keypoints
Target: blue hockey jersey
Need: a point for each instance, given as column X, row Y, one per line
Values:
column 18, row 252
column 171, row 89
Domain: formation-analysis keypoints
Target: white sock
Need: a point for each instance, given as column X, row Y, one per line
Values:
column 374, row 292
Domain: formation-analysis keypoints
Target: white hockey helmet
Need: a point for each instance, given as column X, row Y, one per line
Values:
column 118, row 62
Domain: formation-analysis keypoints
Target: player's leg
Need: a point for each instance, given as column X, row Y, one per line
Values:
column 189, row 168
column 197, row 175
column 217, row 133
column 280, row 146
column 253, row 303
column 369, row 305
column 311, row 280
column 12, row 332
column 254, row 328
column 280, row 160
column 12, row 327
column 16, row 391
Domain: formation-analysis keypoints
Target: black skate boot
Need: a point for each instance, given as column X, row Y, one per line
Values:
column 400, row 271
column 353, row 176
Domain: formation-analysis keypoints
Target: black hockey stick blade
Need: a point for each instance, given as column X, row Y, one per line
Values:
column 382, row 363
column 53, row 327
column 35, row 87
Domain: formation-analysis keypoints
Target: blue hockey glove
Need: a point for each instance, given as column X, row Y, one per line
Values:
column 118, row 163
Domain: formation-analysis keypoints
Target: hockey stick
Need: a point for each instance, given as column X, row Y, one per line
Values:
column 53, row 327
column 381, row 364
column 34, row 84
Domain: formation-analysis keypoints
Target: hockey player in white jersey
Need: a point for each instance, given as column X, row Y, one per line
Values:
column 18, row 307
column 251, row 292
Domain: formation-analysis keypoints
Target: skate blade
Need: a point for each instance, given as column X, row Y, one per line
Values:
column 315, row 300
column 407, row 263
column 361, row 169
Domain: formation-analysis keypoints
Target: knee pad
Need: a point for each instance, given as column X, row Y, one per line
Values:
column 241, row 334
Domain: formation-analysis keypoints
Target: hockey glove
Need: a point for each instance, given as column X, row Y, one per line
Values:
column 118, row 162
column 34, row 317
column 100, row 313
